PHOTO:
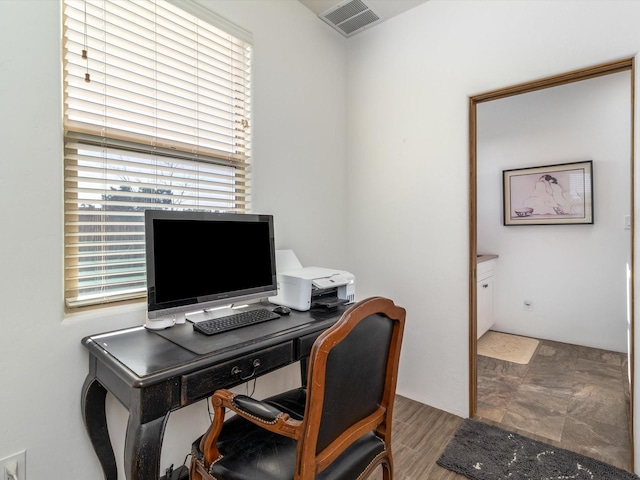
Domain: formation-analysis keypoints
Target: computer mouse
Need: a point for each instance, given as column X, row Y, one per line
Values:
column 282, row 310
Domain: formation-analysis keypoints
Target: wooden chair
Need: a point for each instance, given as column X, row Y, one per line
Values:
column 337, row 428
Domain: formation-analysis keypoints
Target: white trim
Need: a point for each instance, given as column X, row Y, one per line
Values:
column 197, row 8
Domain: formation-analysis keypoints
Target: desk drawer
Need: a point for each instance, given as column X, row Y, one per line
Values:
column 306, row 343
column 234, row 372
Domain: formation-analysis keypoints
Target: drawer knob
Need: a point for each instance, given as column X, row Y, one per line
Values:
column 485, row 285
column 237, row 371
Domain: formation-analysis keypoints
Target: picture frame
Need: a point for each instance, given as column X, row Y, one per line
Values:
column 560, row 194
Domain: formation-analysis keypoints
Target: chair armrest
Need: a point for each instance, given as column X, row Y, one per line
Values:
column 255, row 411
column 256, row 408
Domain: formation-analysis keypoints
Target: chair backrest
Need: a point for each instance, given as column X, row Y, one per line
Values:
column 351, row 385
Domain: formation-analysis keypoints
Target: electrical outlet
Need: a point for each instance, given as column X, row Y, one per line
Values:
column 21, row 459
column 528, row 306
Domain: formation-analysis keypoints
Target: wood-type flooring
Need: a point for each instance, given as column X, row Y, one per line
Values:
column 568, row 396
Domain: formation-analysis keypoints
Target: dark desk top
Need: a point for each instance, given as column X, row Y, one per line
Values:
column 141, row 357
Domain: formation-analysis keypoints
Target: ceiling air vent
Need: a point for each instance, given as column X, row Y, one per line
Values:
column 350, row 17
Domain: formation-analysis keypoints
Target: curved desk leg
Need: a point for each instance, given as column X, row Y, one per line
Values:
column 142, row 448
column 95, row 421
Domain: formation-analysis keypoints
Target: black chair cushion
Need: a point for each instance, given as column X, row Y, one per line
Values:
column 251, row 453
column 259, row 454
column 354, row 460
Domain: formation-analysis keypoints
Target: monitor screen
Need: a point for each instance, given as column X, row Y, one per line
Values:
column 200, row 260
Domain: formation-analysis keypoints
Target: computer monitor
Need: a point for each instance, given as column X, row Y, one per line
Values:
column 200, row 260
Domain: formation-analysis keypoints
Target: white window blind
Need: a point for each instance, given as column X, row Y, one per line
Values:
column 157, row 114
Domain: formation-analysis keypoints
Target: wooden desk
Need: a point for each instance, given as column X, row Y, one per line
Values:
column 152, row 375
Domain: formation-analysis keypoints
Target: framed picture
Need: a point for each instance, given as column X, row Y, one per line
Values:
column 550, row 195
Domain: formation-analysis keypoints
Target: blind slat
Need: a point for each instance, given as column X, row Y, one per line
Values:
column 164, row 122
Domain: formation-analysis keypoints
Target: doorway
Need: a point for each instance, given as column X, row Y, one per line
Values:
column 625, row 65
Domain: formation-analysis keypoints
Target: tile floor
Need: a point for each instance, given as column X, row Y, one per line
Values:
column 576, row 396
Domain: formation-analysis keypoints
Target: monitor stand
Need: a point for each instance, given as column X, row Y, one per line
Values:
column 212, row 313
column 164, row 322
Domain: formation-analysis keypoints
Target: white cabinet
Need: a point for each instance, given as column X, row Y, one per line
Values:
column 485, row 273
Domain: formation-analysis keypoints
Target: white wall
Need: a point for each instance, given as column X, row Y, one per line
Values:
column 574, row 275
column 409, row 83
column 300, row 165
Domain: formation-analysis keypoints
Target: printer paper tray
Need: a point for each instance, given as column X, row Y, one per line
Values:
column 328, row 302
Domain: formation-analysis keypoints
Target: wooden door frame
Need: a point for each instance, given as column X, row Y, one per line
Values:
column 625, row 64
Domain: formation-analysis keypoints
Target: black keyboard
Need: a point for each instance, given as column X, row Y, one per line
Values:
column 237, row 320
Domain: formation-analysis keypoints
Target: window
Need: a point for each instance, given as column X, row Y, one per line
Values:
column 156, row 115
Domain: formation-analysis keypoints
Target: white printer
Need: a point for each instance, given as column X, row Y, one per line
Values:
column 302, row 288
